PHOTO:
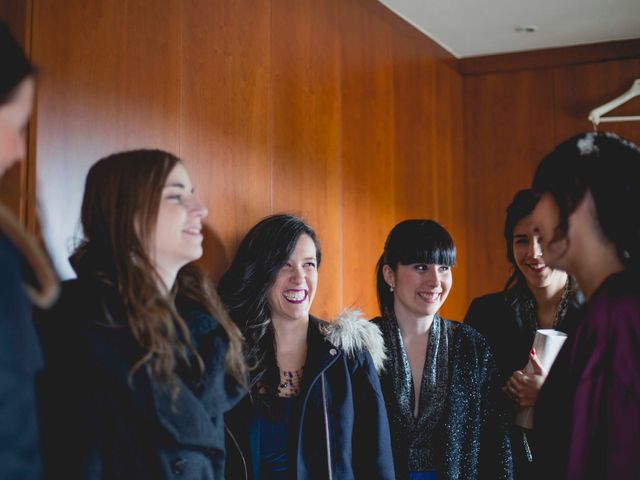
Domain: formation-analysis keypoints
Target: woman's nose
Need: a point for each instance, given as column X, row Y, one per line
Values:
column 197, row 208
column 536, row 248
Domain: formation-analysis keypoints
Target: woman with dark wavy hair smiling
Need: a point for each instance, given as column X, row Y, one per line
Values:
column 139, row 346
column 316, row 410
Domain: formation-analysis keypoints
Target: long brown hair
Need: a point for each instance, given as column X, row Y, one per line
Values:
column 119, row 214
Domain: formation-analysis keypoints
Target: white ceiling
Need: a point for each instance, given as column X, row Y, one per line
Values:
column 469, row 28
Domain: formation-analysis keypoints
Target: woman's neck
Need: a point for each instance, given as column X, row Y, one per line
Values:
column 291, row 343
column 548, row 300
column 592, row 272
column 167, row 278
column 412, row 325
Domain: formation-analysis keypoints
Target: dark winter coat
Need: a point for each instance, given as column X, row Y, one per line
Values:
column 99, row 421
column 499, row 317
column 340, row 396
column 21, row 265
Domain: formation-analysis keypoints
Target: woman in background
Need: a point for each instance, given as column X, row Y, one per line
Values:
column 25, row 277
column 139, row 346
column 439, row 381
column 316, row 410
column 534, row 297
column 588, row 222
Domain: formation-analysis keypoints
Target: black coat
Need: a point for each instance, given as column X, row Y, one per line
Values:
column 501, row 322
column 359, row 441
column 100, row 422
column 20, row 360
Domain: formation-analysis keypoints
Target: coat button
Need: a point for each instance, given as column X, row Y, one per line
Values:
column 333, row 352
column 178, row 466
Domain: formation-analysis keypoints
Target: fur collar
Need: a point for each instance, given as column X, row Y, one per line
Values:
column 46, row 290
column 352, row 333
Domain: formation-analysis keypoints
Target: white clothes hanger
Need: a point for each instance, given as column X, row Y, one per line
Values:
column 596, row 115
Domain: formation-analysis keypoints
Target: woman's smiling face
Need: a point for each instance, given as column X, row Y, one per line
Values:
column 294, row 288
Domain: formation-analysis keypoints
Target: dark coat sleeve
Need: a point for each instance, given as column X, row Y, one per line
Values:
column 20, row 359
column 372, row 454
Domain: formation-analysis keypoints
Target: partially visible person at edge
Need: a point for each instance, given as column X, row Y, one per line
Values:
column 535, row 297
column 588, row 222
column 316, row 410
column 26, row 276
column 142, row 359
column 439, row 381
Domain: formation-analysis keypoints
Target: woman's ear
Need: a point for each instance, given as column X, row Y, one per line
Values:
column 389, row 276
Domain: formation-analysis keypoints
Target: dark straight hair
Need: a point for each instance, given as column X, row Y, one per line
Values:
column 409, row 242
column 14, row 64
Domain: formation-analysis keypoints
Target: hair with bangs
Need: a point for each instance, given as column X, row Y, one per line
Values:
column 410, row 242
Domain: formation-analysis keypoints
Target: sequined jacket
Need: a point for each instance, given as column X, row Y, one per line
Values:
column 342, row 415
column 118, row 425
column 470, row 438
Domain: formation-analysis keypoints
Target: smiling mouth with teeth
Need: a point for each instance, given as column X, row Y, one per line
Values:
column 430, row 297
column 538, row 268
column 295, row 296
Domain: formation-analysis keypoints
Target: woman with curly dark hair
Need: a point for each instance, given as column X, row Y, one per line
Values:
column 316, row 410
column 143, row 360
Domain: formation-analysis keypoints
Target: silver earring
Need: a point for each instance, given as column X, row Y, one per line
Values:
column 391, row 288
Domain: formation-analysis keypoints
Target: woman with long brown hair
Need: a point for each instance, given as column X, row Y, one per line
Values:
column 143, row 360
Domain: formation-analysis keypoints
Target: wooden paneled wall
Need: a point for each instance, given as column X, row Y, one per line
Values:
column 336, row 110
column 517, row 108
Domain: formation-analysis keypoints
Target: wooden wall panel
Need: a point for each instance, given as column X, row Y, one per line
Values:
column 509, row 125
column 513, row 119
column 224, row 118
column 581, row 88
column 110, row 78
column 305, row 131
column 368, row 139
column 338, row 111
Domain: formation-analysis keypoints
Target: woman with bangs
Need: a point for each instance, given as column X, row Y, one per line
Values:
column 142, row 359
column 439, row 382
